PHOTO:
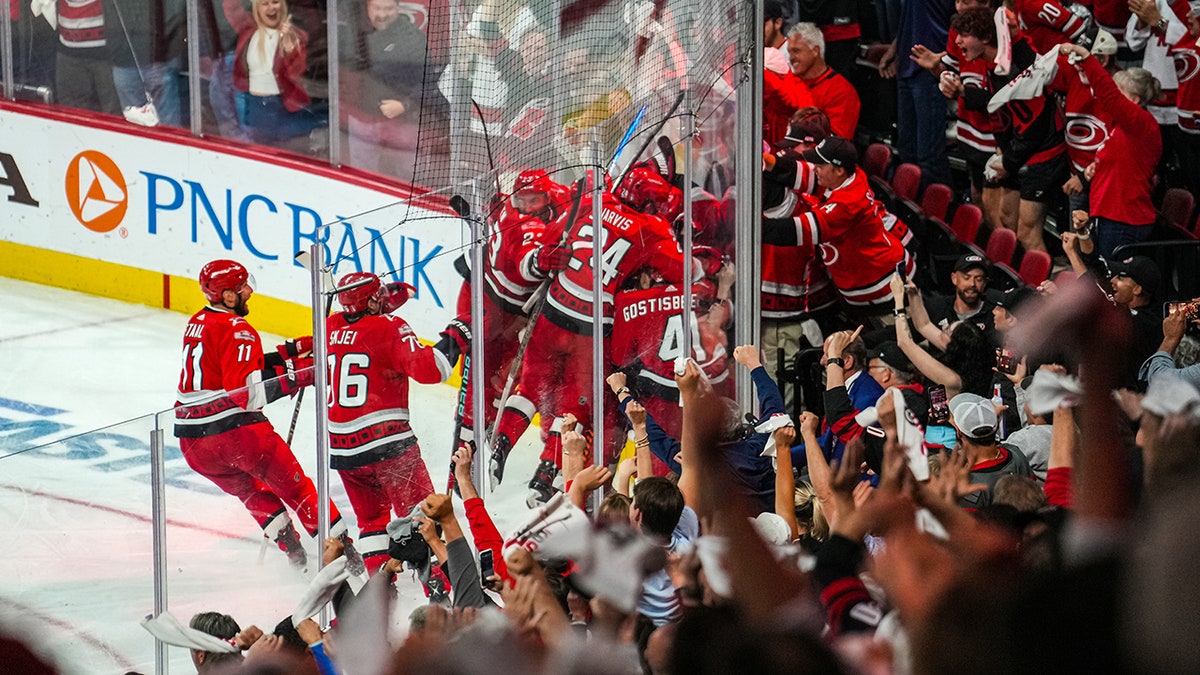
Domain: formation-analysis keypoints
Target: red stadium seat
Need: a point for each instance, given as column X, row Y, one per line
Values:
column 876, row 160
column 1001, row 246
column 936, row 200
column 1177, row 205
column 906, row 182
column 1035, row 267
column 966, row 223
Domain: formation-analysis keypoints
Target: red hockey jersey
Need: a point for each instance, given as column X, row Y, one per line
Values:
column 1186, row 55
column 220, row 385
column 846, row 229
column 974, row 127
column 1048, row 24
column 630, row 241
column 510, row 274
column 648, row 336
column 370, row 362
column 1087, row 126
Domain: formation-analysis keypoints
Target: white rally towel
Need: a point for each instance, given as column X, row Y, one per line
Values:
column 557, row 518
column 1172, row 396
column 1003, row 42
column 47, row 9
column 610, row 563
column 321, row 590
column 1050, row 391
column 776, row 62
column 1030, row 84
column 769, row 426
column 167, row 628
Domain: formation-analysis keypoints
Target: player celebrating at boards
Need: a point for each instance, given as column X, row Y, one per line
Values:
column 372, row 355
column 223, row 434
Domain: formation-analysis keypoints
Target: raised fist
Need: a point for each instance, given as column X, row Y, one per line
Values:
column 397, row 293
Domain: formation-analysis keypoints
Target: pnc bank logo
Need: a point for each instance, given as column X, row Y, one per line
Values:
column 96, row 191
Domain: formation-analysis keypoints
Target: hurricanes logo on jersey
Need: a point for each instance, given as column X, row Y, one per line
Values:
column 96, row 191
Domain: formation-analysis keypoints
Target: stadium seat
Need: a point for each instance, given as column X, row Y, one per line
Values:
column 876, row 160
column 936, row 200
column 1035, row 267
column 1001, row 245
column 906, row 182
column 1177, row 205
column 966, row 223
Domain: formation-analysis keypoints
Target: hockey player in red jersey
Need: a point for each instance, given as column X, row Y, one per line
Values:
column 519, row 256
column 557, row 368
column 223, row 434
column 647, row 337
column 372, row 356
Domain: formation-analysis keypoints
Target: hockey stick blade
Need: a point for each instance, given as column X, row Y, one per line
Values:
column 460, row 206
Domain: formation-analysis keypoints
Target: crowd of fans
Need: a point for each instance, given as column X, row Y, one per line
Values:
column 990, row 480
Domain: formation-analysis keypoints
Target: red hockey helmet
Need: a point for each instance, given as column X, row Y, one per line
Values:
column 219, row 276
column 531, row 192
column 360, row 289
column 645, row 190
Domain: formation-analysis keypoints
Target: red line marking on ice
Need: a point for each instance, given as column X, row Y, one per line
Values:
column 128, row 514
column 81, row 633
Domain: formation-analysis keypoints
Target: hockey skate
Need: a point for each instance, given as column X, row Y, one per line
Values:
column 354, row 560
column 289, row 542
column 543, row 485
column 498, row 459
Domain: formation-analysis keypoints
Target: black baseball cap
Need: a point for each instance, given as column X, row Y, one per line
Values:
column 833, row 150
column 1016, row 299
column 1141, row 269
column 890, row 353
column 970, row 260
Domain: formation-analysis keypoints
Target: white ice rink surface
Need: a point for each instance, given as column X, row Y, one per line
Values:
column 76, row 565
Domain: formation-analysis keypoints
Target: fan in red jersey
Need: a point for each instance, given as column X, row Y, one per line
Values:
column 372, row 356
column 223, row 434
column 845, row 227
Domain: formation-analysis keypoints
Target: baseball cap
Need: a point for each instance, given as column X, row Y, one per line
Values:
column 890, row 353
column 969, row 260
column 1017, row 299
column 974, row 415
column 1141, row 269
column 835, row 151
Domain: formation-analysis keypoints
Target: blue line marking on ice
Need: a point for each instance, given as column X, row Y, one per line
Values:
column 30, row 408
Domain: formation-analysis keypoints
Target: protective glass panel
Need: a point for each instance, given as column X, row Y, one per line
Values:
column 242, row 509
column 539, row 96
column 78, row 564
column 266, row 68
column 393, row 396
column 387, row 57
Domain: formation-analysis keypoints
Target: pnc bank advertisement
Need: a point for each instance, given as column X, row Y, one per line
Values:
column 171, row 207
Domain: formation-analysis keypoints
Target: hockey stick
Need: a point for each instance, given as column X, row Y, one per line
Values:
column 487, row 140
column 637, row 119
column 533, row 308
column 463, row 209
column 650, row 139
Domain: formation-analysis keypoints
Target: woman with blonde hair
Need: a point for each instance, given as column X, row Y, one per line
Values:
column 270, row 59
